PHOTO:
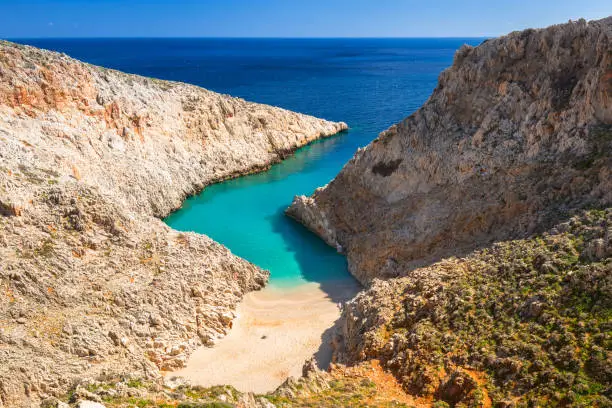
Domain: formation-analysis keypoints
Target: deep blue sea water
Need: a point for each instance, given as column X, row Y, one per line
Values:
column 368, row 83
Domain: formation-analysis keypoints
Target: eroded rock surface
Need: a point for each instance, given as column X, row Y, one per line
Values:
column 515, row 136
column 481, row 225
column 93, row 284
column 365, row 385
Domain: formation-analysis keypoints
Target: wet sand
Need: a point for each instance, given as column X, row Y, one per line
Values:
column 276, row 330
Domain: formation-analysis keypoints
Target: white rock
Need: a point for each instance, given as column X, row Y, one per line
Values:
column 90, row 404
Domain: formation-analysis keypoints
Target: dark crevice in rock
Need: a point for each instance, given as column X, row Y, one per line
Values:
column 386, row 169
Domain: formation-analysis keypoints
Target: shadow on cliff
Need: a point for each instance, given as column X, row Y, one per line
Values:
column 318, row 261
column 323, row 356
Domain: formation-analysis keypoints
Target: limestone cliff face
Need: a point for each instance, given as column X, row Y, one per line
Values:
column 92, row 282
column 515, row 136
column 503, row 178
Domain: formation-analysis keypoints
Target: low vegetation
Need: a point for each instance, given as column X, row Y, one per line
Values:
column 138, row 393
column 523, row 323
column 366, row 385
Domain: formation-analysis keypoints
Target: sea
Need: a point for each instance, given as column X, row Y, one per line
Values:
column 368, row 83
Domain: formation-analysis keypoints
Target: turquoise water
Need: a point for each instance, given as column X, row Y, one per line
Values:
column 368, row 83
column 246, row 214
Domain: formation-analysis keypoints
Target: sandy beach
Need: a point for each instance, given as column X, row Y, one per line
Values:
column 276, row 330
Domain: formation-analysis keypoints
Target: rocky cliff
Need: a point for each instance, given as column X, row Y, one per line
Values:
column 522, row 323
column 481, row 224
column 516, row 135
column 93, row 283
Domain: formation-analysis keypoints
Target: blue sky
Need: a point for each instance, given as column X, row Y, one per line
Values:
column 286, row 18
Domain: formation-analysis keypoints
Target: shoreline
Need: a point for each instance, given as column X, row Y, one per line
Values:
column 276, row 330
column 255, row 169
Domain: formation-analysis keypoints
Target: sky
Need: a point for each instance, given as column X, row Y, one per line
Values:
column 286, row 18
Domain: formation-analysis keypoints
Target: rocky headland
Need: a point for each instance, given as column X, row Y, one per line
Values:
column 94, row 284
column 515, row 135
column 481, row 226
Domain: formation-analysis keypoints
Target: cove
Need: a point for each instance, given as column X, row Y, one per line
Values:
column 247, row 215
column 369, row 84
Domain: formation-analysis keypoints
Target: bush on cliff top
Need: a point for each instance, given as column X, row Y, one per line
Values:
column 532, row 316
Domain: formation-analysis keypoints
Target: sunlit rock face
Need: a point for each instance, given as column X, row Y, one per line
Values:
column 93, row 282
column 481, row 226
column 515, row 136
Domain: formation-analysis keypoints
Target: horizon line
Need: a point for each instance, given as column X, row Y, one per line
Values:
column 241, row 38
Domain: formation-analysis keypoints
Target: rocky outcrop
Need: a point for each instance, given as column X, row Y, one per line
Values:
column 365, row 385
column 93, row 283
column 522, row 323
column 516, row 136
column 481, row 226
